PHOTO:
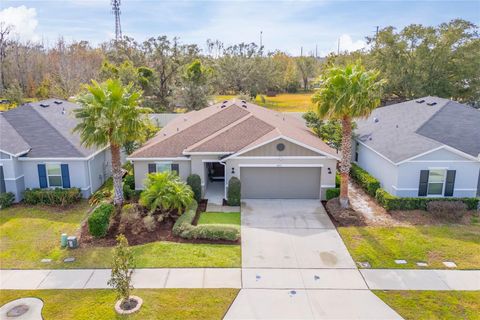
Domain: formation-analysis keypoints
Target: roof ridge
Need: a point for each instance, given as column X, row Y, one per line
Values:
column 56, row 130
column 231, row 125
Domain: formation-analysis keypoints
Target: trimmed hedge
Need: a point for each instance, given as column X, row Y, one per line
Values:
column 6, row 199
column 364, row 179
column 185, row 229
column 99, row 220
column 234, row 189
column 332, row 193
column 391, row 202
column 52, row 197
column 195, row 182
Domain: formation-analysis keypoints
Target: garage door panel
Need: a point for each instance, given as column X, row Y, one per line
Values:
column 280, row 183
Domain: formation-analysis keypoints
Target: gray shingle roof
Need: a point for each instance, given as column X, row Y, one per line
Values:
column 48, row 131
column 10, row 140
column 404, row 130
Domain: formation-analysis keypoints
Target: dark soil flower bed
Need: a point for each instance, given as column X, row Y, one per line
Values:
column 343, row 217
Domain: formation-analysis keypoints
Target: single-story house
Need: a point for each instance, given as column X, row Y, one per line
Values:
column 274, row 155
column 38, row 149
column 428, row 147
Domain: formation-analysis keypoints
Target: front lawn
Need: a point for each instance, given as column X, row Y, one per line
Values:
column 220, row 218
column 417, row 305
column 380, row 246
column 31, row 233
column 157, row 304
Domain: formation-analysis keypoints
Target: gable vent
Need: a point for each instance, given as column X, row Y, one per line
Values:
column 420, row 101
column 431, row 103
column 43, row 105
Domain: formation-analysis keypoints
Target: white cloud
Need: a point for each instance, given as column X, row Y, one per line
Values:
column 347, row 44
column 23, row 21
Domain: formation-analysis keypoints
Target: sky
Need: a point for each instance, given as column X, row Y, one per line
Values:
column 285, row 25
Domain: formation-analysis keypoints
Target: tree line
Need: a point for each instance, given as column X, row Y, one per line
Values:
column 415, row 61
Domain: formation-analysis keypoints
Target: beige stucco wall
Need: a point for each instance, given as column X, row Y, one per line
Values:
column 270, row 150
column 140, row 168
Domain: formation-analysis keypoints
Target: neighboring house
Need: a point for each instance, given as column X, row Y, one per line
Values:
column 39, row 150
column 274, row 155
column 428, row 147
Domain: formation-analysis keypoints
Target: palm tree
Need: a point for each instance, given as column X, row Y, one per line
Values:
column 165, row 190
column 347, row 93
column 110, row 115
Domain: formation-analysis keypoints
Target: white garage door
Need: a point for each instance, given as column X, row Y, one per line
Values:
column 280, row 183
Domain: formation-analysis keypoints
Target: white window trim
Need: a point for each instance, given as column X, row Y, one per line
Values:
column 443, row 183
column 48, row 175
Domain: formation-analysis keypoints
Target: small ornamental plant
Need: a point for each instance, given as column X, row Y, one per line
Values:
column 123, row 265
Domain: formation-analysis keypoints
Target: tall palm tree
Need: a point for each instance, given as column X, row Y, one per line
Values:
column 110, row 115
column 347, row 93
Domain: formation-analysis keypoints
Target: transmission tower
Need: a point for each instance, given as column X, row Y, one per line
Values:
column 116, row 12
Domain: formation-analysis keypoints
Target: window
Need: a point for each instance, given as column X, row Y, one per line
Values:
column 436, row 182
column 162, row 167
column 54, row 175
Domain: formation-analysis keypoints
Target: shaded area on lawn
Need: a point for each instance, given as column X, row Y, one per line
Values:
column 220, row 218
column 433, row 304
column 157, row 304
column 433, row 244
column 29, row 234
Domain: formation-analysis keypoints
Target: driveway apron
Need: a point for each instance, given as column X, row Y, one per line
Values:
column 296, row 266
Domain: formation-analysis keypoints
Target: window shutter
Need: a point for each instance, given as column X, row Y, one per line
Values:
column 65, row 176
column 423, row 186
column 42, row 176
column 450, row 183
column 152, row 168
column 175, row 168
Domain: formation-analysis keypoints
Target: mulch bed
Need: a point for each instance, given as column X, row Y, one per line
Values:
column 163, row 232
column 343, row 217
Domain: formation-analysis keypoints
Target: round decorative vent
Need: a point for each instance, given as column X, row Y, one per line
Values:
column 280, row 147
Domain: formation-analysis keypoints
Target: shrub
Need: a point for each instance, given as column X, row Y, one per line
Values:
column 105, row 192
column 332, row 193
column 129, row 180
column 185, row 229
column 234, row 189
column 364, row 179
column 337, row 180
column 52, row 197
column 449, row 210
column 195, row 182
column 150, row 222
column 6, row 199
column 99, row 220
column 166, row 191
column 391, row 202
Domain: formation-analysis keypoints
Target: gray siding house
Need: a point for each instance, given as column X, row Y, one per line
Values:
column 274, row 155
column 429, row 147
column 39, row 150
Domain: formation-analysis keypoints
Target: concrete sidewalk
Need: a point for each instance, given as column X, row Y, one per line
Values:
column 142, row 278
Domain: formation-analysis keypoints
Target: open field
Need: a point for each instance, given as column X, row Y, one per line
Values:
column 432, row 244
column 31, row 233
column 157, row 304
column 283, row 102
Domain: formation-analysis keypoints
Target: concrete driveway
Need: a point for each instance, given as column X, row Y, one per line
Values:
column 290, row 234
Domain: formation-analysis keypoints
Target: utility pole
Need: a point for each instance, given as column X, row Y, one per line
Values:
column 261, row 39
column 116, row 12
column 338, row 47
column 301, row 51
column 316, row 51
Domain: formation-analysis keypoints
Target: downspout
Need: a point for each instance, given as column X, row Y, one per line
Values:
column 90, row 176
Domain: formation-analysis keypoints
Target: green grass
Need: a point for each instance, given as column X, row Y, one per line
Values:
column 284, row 102
column 434, row 244
column 418, row 305
column 29, row 234
column 220, row 217
column 157, row 304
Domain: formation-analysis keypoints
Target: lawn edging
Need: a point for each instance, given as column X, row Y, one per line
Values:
column 184, row 228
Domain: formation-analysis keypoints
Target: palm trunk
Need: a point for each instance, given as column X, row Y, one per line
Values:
column 345, row 163
column 117, row 175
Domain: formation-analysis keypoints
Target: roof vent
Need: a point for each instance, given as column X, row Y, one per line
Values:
column 63, row 110
column 420, row 101
column 225, row 101
column 431, row 103
column 244, row 105
column 44, row 105
column 375, row 120
column 243, row 101
column 57, row 102
column 223, row 106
